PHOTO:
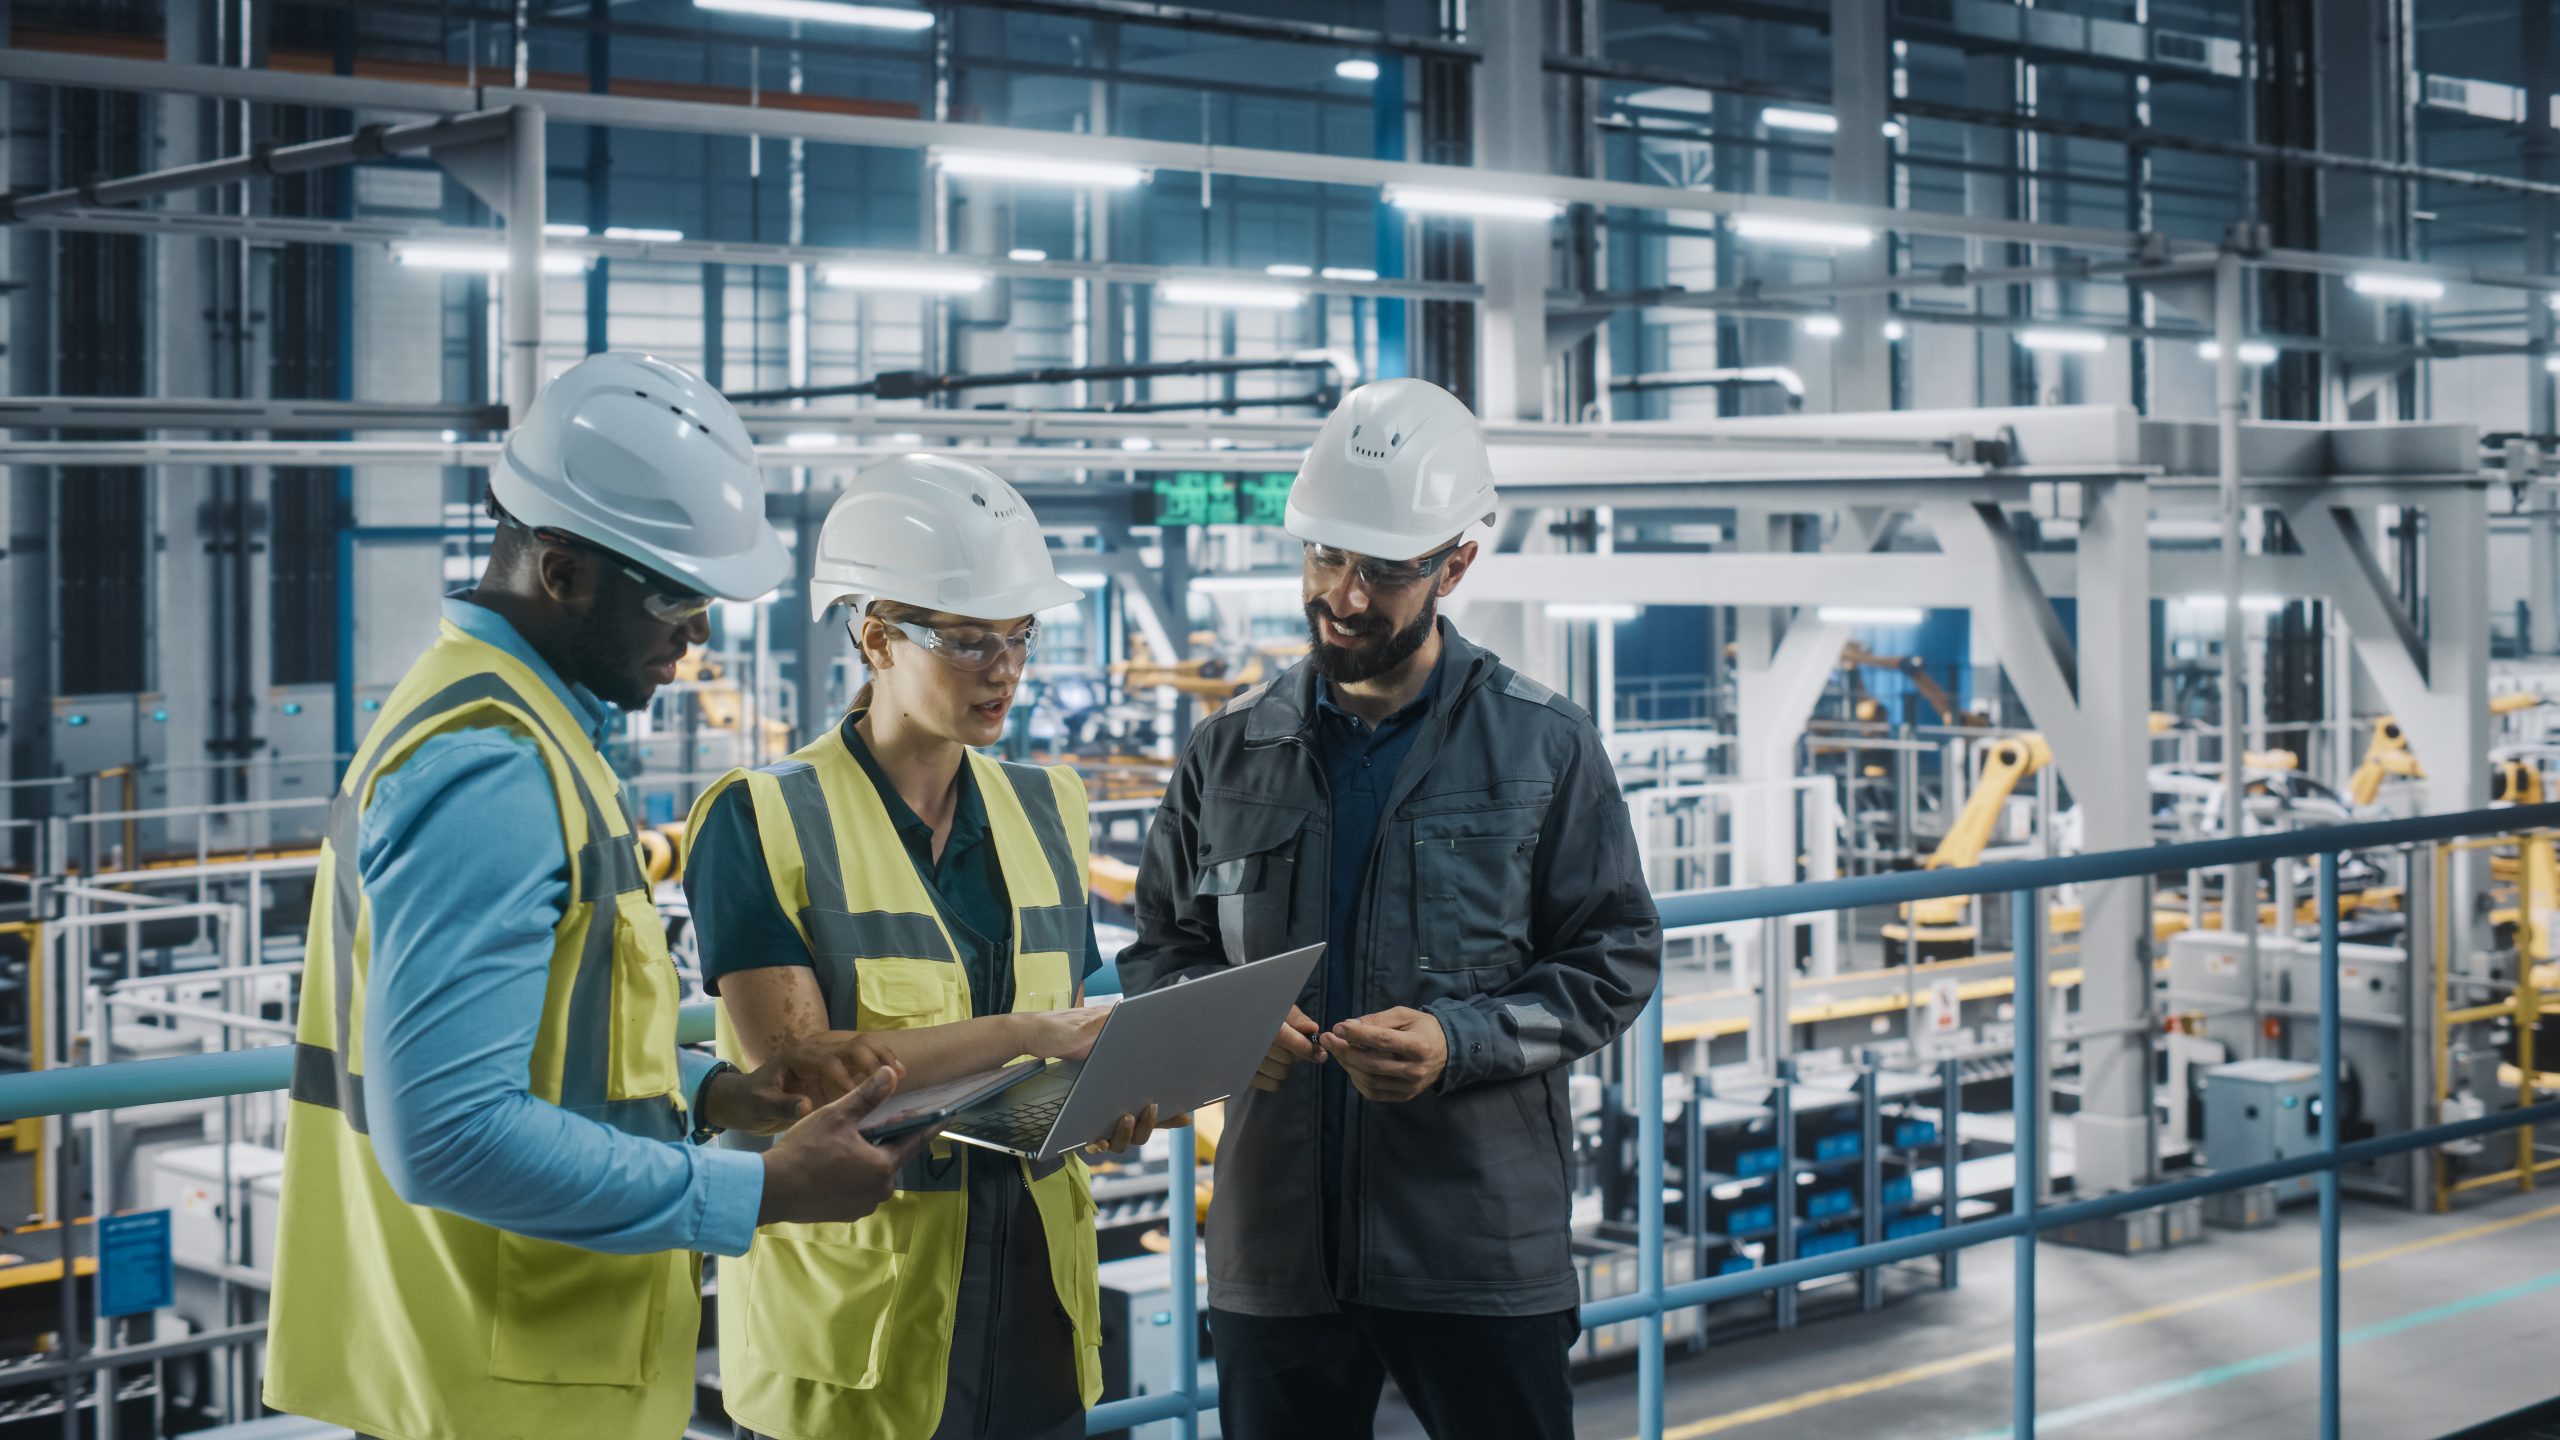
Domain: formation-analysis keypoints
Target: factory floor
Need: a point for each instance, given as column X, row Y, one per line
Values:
column 2448, row 1320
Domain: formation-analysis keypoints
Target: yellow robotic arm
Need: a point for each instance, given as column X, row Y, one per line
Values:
column 2007, row 762
column 2388, row 755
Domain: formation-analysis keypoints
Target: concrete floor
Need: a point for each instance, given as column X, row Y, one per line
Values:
column 2448, row 1319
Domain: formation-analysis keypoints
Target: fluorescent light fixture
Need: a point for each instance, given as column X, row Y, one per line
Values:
column 1893, row 330
column 1289, row 272
column 1872, row 614
column 1472, row 202
column 905, row 437
column 452, row 436
column 825, row 12
column 812, row 439
column 1803, row 232
column 2555, row 302
column 2076, row 342
column 2395, row 287
column 1361, row 70
column 1026, row 253
column 2552, row 364
column 1813, row 121
column 1348, row 272
column 485, row 259
column 566, row 232
column 1892, row 129
column 1244, row 584
column 2249, row 604
column 1136, row 442
column 917, row 279
column 1593, row 610
column 1822, row 327
column 1051, row 169
column 640, row 232
column 2252, row 352
column 1229, row 295
column 1084, row 579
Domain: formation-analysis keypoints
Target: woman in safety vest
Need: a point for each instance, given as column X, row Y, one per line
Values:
column 891, row 879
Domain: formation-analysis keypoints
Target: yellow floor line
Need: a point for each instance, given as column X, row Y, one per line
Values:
column 2001, row 1354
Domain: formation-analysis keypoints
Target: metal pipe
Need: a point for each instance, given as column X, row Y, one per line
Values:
column 371, row 142
column 2239, row 883
column 914, row 384
column 525, row 212
column 1182, row 1256
column 2329, row 1133
column 2026, row 1098
column 1649, row 1212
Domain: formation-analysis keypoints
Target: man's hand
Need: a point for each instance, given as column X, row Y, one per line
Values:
column 1133, row 1130
column 1062, row 1034
column 801, row 1076
column 1295, row 1045
column 823, row 1170
column 1391, row 1056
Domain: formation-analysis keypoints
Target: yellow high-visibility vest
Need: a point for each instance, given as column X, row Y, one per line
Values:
column 846, row 1329
column 416, row 1324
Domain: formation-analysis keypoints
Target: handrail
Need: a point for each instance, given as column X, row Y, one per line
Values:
column 139, row 1082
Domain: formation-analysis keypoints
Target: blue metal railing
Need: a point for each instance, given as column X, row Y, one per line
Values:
column 194, row 1077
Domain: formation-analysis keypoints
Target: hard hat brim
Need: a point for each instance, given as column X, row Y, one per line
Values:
column 1031, row 599
column 1363, row 540
column 747, row 576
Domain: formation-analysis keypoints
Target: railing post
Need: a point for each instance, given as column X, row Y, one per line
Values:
column 1183, row 1197
column 2329, row 1135
column 2026, row 1099
column 1950, row 1161
column 1649, row 1215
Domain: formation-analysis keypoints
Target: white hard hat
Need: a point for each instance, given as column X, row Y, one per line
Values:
column 937, row 532
column 643, row 458
column 1397, row 472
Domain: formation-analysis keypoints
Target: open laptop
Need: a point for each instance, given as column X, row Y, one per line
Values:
column 1177, row 1048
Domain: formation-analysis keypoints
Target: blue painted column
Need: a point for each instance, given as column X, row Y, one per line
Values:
column 2329, row 1317
column 2026, row 1092
column 1184, row 1257
column 1386, row 101
column 1649, row 1214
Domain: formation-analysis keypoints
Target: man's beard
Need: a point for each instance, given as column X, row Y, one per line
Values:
column 1350, row 667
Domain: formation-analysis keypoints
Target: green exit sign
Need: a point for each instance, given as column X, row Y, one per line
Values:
column 1215, row 497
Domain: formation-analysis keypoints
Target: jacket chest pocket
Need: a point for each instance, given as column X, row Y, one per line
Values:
column 1249, row 870
column 1471, row 886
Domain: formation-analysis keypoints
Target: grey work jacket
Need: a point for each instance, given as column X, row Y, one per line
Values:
column 1504, row 896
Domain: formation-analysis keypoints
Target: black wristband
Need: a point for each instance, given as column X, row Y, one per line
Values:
column 703, row 1129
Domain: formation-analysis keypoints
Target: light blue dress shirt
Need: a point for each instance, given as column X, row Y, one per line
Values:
column 467, row 873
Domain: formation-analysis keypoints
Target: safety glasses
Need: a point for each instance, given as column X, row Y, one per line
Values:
column 667, row 607
column 972, row 648
column 1379, row 575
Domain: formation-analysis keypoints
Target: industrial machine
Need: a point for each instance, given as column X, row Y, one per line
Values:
column 1938, row 928
column 2258, row 1111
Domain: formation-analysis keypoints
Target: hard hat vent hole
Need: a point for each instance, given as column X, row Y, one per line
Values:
column 1394, row 440
column 981, row 499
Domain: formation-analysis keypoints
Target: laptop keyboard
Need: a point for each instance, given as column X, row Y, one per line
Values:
column 1023, row 1127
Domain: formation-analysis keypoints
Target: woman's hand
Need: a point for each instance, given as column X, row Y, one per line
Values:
column 1063, row 1034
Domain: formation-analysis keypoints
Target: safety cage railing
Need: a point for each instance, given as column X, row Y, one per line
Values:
column 113, row 1085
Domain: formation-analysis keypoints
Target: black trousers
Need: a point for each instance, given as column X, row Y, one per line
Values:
column 1467, row 1377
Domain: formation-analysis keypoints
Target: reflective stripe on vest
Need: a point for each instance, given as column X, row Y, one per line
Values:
column 817, row 1337
column 606, row 866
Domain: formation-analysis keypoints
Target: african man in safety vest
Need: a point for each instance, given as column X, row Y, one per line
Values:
column 495, row 1190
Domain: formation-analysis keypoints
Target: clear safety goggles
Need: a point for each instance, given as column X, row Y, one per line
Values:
column 1375, row 574
column 667, row 607
column 973, row 648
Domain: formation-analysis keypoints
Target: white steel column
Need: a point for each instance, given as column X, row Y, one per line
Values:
column 2113, row 1139
column 1512, row 255
column 525, row 212
column 1861, row 174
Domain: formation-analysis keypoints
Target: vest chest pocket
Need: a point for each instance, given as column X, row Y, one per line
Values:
column 1473, row 889
column 646, row 994
column 898, row 993
column 1248, row 868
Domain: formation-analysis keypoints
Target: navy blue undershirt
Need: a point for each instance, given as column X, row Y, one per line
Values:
column 1360, row 763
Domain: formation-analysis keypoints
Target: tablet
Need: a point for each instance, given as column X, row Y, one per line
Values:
column 913, row 1110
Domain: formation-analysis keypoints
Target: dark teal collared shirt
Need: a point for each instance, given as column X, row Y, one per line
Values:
column 742, row 926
